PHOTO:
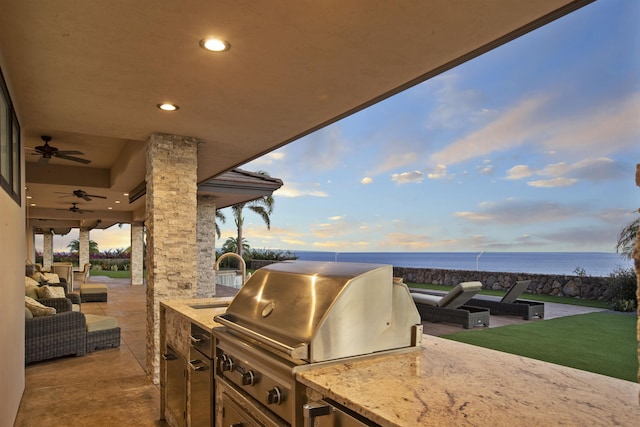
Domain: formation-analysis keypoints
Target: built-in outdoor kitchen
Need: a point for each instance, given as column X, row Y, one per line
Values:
column 340, row 344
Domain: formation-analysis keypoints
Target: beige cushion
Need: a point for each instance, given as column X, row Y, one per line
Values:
column 93, row 288
column 38, row 309
column 30, row 287
column 47, row 291
column 100, row 323
column 27, row 314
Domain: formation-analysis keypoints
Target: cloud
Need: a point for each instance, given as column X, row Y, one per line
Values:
column 394, row 161
column 553, row 182
column 513, row 211
column 564, row 174
column 407, row 241
column 512, row 129
column 335, row 218
column 292, row 190
column 519, row 172
column 415, row 177
column 608, row 128
column 366, row 181
column 267, row 160
column 438, row 172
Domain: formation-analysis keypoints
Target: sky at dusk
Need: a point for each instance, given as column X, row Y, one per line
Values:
column 530, row 147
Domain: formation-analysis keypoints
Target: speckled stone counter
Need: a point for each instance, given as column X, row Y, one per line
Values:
column 450, row 383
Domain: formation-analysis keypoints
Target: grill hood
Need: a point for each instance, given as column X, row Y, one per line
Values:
column 317, row 311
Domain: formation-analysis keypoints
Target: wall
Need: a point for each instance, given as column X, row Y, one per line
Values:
column 586, row 287
column 12, row 264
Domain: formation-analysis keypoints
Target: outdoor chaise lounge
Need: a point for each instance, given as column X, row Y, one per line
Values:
column 510, row 305
column 450, row 307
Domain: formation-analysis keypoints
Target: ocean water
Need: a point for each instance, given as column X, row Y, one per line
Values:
column 562, row 263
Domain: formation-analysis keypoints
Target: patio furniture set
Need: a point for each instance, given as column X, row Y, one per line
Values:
column 55, row 326
column 461, row 305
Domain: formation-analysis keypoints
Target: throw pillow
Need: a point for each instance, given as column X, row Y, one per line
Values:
column 38, row 277
column 47, row 291
column 27, row 314
column 51, row 277
column 38, row 309
column 30, row 287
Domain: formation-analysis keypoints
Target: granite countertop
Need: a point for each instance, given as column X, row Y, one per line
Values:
column 200, row 310
column 450, row 383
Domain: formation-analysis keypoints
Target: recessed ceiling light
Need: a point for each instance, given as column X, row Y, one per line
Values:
column 215, row 45
column 168, row 107
column 29, row 197
column 117, row 201
column 125, row 194
column 109, row 208
column 33, row 204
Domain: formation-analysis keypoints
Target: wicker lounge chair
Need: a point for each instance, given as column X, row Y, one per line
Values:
column 60, row 334
column 510, row 305
column 450, row 307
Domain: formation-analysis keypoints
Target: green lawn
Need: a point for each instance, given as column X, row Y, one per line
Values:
column 604, row 342
column 112, row 274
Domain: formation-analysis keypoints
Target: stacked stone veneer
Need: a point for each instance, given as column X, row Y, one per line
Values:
column 137, row 253
column 171, row 204
column 47, row 247
column 586, row 287
column 206, row 246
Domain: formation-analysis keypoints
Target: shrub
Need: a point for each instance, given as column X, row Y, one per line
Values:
column 270, row 255
column 622, row 289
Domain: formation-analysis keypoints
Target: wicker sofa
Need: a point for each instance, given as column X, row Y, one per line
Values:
column 60, row 334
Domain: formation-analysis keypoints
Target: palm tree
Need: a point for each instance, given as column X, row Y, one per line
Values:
column 231, row 245
column 262, row 206
column 627, row 239
column 74, row 246
column 219, row 216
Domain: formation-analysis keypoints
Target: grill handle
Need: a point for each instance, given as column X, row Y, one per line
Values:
column 301, row 351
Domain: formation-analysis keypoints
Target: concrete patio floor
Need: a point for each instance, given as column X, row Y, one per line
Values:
column 110, row 387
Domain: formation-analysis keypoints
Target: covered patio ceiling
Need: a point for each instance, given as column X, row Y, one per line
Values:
column 90, row 75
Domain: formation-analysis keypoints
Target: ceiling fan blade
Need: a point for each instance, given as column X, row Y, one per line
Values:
column 68, row 152
column 74, row 159
column 95, row 195
column 87, row 198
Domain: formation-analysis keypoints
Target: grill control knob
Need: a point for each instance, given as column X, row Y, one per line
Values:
column 248, row 378
column 226, row 364
column 274, row 396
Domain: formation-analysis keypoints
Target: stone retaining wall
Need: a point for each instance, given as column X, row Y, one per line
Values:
column 586, row 287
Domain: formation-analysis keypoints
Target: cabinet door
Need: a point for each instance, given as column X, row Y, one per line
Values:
column 201, row 394
column 176, row 386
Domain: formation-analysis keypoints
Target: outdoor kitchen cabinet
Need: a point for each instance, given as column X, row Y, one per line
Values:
column 175, row 390
column 186, row 371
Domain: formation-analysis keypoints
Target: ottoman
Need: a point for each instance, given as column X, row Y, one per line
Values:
column 93, row 292
column 102, row 332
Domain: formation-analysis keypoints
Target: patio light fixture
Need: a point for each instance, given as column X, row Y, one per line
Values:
column 215, row 45
column 167, row 107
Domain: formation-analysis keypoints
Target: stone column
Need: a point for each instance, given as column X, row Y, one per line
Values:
column 206, row 242
column 171, row 202
column 83, row 249
column 137, row 253
column 47, row 249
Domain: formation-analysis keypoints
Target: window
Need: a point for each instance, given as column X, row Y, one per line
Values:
column 9, row 145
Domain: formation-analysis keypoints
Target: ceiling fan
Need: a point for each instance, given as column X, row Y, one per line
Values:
column 75, row 209
column 48, row 151
column 81, row 194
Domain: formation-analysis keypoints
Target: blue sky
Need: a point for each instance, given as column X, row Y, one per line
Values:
column 530, row 147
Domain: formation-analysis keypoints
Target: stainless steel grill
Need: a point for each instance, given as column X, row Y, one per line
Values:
column 292, row 315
